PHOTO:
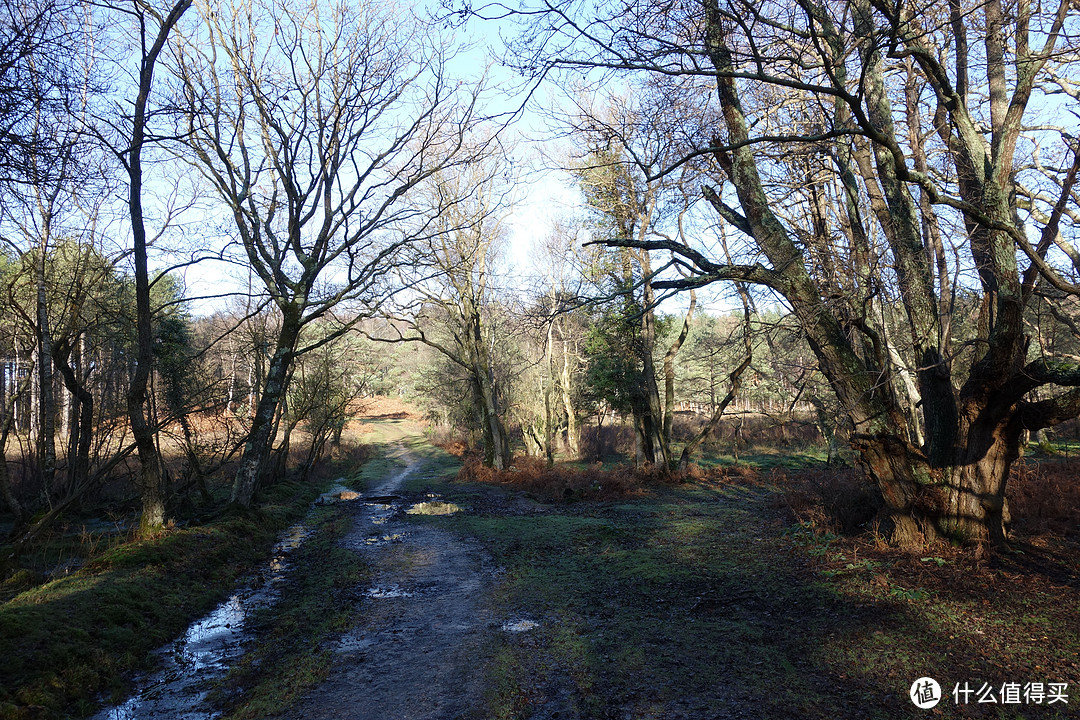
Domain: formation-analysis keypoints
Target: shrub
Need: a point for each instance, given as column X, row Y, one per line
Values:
column 562, row 482
column 839, row 500
column 1045, row 496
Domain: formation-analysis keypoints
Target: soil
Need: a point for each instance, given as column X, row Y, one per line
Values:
column 426, row 620
column 831, row 626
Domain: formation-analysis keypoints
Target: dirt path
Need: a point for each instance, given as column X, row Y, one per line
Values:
column 425, row 620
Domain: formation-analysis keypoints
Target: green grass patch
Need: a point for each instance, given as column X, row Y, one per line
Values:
column 764, row 459
column 291, row 655
column 68, row 642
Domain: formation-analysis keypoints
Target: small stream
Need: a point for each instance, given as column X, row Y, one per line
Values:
column 210, row 645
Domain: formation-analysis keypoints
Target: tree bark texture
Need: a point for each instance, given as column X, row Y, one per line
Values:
column 260, row 441
column 151, row 481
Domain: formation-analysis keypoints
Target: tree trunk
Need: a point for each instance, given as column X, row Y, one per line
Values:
column 657, row 450
column 232, row 388
column 964, row 501
column 7, row 421
column 669, row 371
column 485, row 390
column 261, row 438
column 549, row 390
column 46, row 391
column 150, row 475
column 500, row 442
column 572, row 439
column 83, row 427
column 190, row 450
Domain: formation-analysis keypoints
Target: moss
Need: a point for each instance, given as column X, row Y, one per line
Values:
column 66, row 642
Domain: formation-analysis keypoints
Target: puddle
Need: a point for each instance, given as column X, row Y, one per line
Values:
column 434, row 507
column 338, row 493
column 384, row 539
column 382, row 499
column 209, row 646
column 388, row 591
column 518, row 626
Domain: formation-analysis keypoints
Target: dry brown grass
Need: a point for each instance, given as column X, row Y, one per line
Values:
column 561, row 482
column 836, row 500
column 382, row 407
column 1044, row 497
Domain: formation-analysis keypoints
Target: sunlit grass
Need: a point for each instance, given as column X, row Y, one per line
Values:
column 66, row 642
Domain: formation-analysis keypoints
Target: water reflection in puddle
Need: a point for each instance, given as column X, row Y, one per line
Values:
column 388, row 591
column 384, row 539
column 517, row 626
column 434, row 507
column 207, row 648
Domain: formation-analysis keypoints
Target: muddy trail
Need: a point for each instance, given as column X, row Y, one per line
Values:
column 688, row 602
column 424, row 619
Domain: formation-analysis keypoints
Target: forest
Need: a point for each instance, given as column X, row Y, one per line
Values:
column 825, row 254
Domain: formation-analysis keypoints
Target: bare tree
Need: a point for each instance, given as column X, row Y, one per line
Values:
column 315, row 122
column 42, row 82
column 153, row 27
column 455, row 310
column 923, row 116
column 560, row 308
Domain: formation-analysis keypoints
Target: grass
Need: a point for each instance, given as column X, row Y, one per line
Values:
column 702, row 598
column 291, row 655
column 68, row 642
column 393, row 442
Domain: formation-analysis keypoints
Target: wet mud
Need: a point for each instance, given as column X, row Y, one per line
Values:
column 423, row 622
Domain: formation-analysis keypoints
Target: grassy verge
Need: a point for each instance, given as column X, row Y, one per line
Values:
column 291, row 655
column 700, row 601
column 68, row 642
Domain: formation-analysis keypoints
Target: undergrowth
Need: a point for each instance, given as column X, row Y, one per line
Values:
column 562, row 482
